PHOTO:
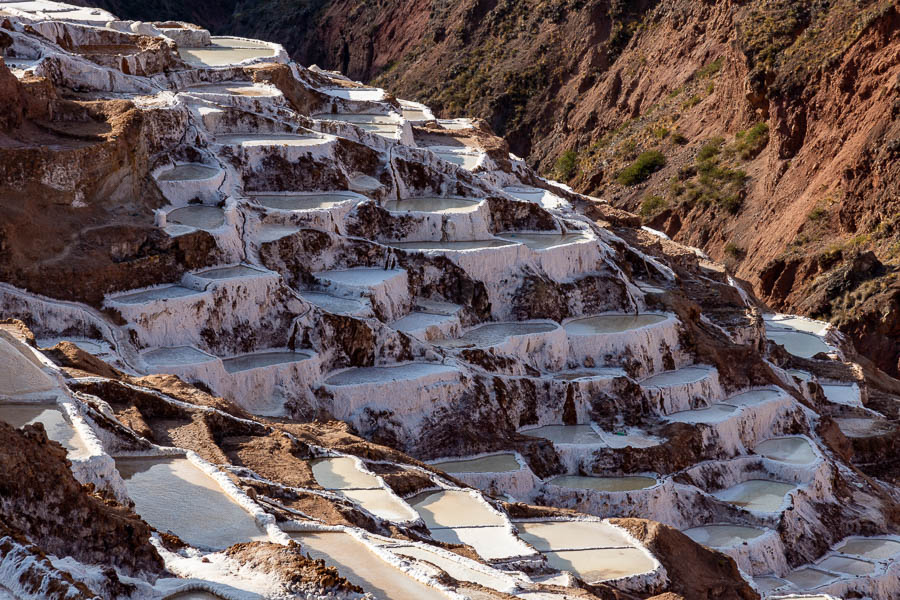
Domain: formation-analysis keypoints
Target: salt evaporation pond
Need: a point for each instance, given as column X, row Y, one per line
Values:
column 611, row 323
column 362, row 94
column 808, row 578
column 795, row 323
column 454, row 568
column 798, row 343
column 433, row 204
column 566, row 434
column 801, row 375
column 451, row 246
column 492, row 334
column 713, row 414
column 20, row 374
column 762, row 495
column 753, row 397
column 321, row 201
column 876, row 549
column 495, row 463
column 188, row 172
column 365, row 375
column 225, row 51
column 845, row 564
column 457, row 517
column 51, row 417
column 576, row 374
column 545, row 241
column 767, row 583
column 176, row 356
column 199, row 216
column 234, row 272
column 193, row 595
column 169, row 292
column 342, row 475
column 454, row 508
column 355, row 561
column 89, row 346
column 722, row 536
column 677, row 377
column 568, row 535
column 359, row 276
column 259, row 360
column 860, row 427
column 342, row 472
column 269, row 139
column 171, row 494
column 793, row 449
column 235, row 89
column 358, row 118
column 604, row 484
column 596, row 565
column 466, row 160
column 848, row 395
column 414, row 114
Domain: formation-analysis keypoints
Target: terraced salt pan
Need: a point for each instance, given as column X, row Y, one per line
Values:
column 603, row 564
column 848, row 395
column 723, row 536
column 798, row 343
column 601, row 373
column 236, row 88
column 775, row 322
column 493, row 334
column 225, row 51
column 753, row 397
column 189, row 172
column 250, row 140
column 872, row 548
column 767, row 583
column 356, row 561
column 260, row 360
column 155, row 294
column 171, row 494
column 433, row 204
column 304, row 202
column 614, row 323
column 569, row 535
column 336, row 304
column 714, row 414
column 683, row 389
column 20, row 375
column 176, row 356
column 613, row 338
column 453, row 567
column 808, row 578
column 359, row 94
column 761, row 495
column 403, row 389
column 847, row 565
column 860, row 427
column 536, row 195
column 415, row 115
column 546, row 241
column 491, row 543
column 494, row 463
column 451, row 246
column 794, row 449
column 466, row 160
column 566, row 434
column 51, row 417
column 234, row 272
column 604, row 484
column 199, row 216
column 89, row 346
column 337, row 473
column 428, row 326
column 359, row 118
